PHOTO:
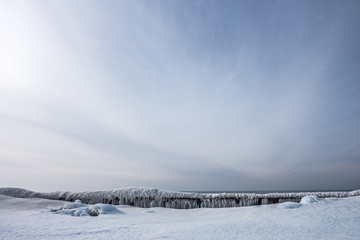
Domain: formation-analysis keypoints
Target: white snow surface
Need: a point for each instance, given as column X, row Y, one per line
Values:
column 150, row 197
column 329, row 218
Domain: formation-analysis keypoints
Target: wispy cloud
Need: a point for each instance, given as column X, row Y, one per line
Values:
column 181, row 95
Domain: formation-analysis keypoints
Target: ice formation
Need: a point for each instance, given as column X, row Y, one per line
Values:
column 78, row 209
column 309, row 199
column 150, row 197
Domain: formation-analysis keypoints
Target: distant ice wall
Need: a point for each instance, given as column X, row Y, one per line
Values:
column 150, row 197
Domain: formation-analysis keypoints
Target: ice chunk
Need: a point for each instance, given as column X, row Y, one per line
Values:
column 76, row 204
column 81, row 213
column 77, row 209
column 309, row 199
column 105, row 208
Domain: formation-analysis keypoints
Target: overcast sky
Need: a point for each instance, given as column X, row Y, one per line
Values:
column 180, row 95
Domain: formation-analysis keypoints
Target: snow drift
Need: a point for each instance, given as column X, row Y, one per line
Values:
column 150, row 197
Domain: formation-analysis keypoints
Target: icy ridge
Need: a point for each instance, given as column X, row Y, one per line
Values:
column 151, row 197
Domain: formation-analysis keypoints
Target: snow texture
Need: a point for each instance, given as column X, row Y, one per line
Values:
column 289, row 205
column 150, row 197
column 330, row 218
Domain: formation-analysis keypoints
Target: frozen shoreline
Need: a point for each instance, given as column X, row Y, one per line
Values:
column 150, row 197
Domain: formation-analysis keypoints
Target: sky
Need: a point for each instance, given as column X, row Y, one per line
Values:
column 180, row 95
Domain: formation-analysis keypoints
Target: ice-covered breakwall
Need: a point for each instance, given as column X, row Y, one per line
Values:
column 149, row 197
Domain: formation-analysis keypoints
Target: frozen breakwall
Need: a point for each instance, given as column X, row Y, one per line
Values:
column 150, row 197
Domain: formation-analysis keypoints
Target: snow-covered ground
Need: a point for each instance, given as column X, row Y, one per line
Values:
column 313, row 218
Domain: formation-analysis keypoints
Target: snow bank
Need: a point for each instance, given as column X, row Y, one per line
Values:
column 150, row 197
column 78, row 209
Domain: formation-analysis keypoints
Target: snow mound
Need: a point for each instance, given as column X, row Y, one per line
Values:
column 309, row 199
column 78, row 209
